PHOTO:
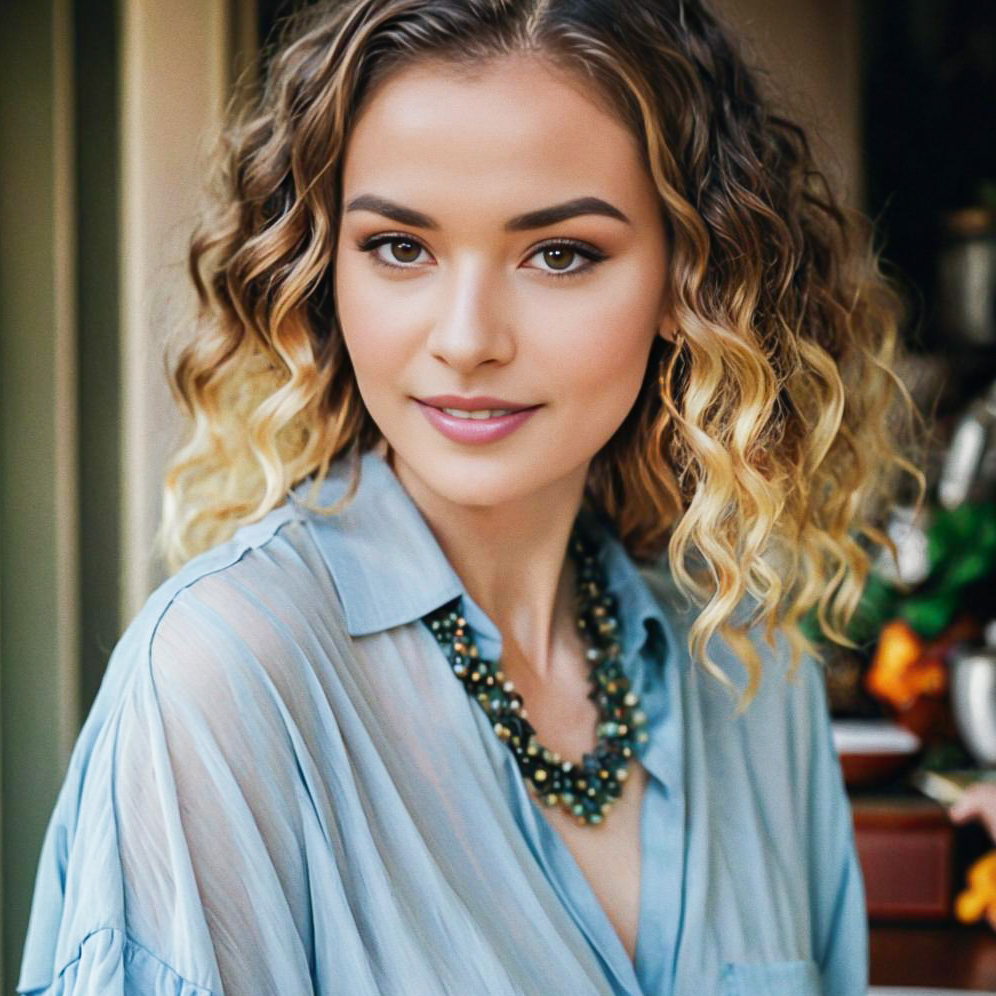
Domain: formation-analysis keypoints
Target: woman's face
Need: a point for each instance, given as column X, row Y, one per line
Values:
column 500, row 238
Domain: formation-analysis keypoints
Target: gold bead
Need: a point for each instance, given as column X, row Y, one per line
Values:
column 539, row 775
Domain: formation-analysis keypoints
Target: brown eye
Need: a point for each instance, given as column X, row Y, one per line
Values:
column 558, row 257
column 404, row 251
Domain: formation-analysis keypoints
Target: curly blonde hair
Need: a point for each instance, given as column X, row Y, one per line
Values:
column 767, row 438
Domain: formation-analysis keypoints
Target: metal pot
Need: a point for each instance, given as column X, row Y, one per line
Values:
column 967, row 276
column 973, row 701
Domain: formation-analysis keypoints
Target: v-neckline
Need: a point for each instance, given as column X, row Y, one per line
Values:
column 597, row 925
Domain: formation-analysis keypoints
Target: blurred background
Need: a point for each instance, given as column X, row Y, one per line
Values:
column 108, row 111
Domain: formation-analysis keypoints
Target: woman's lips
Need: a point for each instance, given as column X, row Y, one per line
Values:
column 476, row 430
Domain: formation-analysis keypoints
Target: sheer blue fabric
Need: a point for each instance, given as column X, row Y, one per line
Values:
column 281, row 788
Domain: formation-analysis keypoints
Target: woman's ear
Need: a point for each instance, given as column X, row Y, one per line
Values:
column 667, row 326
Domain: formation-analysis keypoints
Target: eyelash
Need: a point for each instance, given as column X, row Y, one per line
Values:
column 587, row 252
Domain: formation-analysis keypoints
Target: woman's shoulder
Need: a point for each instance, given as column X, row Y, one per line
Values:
column 266, row 585
column 274, row 549
column 779, row 673
column 787, row 717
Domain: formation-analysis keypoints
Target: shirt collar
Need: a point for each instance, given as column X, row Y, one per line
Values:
column 389, row 569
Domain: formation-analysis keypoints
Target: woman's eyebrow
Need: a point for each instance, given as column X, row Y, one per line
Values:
column 520, row 223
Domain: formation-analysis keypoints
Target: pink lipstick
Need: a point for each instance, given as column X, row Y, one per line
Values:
column 476, row 430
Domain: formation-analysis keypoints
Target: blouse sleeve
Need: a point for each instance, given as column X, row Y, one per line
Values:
column 840, row 920
column 182, row 868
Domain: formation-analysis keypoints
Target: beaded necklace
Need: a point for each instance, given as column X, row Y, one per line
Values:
column 585, row 790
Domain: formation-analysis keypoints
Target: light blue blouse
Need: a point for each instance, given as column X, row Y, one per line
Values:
column 282, row 788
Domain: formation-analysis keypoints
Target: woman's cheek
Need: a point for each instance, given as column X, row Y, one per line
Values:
column 373, row 326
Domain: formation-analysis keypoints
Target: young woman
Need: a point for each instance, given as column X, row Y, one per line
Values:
column 543, row 387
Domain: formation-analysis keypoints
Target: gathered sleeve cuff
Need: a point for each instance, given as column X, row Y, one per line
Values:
column 110, row 963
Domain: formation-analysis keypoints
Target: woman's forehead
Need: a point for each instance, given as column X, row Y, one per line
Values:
column 515, row 125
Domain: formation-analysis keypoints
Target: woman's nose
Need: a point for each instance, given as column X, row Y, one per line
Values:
column 471, row 326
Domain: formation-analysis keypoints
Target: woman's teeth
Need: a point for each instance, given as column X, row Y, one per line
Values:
column 482, row 413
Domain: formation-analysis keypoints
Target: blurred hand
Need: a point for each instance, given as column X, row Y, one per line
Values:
column 978, row 802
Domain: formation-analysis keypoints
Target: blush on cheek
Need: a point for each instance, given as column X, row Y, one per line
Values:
column 610, row 357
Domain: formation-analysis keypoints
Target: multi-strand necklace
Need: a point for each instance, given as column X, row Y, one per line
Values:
column 586, row 790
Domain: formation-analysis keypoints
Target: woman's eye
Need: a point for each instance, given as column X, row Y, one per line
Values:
column 560, row 258
column 401, row 253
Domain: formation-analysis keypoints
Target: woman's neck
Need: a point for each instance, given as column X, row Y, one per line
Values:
column 513, row 561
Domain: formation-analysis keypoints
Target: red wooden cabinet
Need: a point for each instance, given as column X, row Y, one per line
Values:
column 913, row 860
column 906, row 848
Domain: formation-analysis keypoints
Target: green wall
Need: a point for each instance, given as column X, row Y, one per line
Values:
column 58, row 108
